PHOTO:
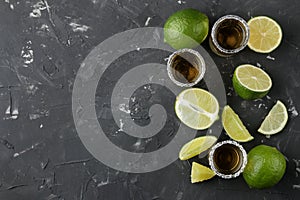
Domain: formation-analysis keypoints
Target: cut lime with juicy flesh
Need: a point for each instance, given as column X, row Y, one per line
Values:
column 196, row 146
column 265, row 34
column 275, row 121
column 234, row 127
column 200, row 173
column 186, row 29
column 197, row 108
column 251, row 82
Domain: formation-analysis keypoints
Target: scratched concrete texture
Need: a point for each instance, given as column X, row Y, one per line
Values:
column 42, row 45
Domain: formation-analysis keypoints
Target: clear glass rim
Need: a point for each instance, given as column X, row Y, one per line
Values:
column 215, row 26
column 170, row 62
column 213, row 167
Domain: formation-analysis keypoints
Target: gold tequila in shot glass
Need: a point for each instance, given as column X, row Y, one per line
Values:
column 227, row 159
column 229, row 35
column 186, row 67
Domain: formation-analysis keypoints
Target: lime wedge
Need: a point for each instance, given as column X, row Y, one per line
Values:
column 234, row 127
column 251, row 82
column 197, row 108
column 200, row 173
column 275, row 121
column 196, row 146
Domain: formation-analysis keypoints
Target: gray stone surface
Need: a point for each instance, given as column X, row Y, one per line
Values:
column 42, row 45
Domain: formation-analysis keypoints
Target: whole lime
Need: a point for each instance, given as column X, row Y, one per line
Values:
column 186, row 29
column 265, row 168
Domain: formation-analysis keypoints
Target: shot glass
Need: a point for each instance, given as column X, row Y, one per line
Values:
column 186, row 67
column 229, row 35
column 227, row 159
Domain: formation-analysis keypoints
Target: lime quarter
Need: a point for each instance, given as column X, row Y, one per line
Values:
column 200, row 173
column 234, row 126
column 275, row 121
column 196, row 146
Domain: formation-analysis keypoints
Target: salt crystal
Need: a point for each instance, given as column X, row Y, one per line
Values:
column 296, row 186
column 270, row 57
column 293, row 111
column 123, row 108
column 147, row 21
column 181, row 2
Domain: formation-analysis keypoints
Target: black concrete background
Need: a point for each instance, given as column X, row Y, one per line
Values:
column 41, row 156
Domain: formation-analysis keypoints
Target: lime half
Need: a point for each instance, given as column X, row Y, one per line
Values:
column 196, row 146
column 265, row 34
column 234, row 127
column 197, row 108
column 251, row 82
column 200, row 173
column 275, row 121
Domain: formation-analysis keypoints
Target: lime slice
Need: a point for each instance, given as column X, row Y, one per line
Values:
column 275, row 121
column 186, row 29
column 234, row 127
column 265, row 168
column 251, row 82
column 196, row 146
column 197, row 108
column 265, row 34
column 200, row 173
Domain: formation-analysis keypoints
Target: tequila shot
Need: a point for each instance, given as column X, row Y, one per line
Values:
column 186, row 67
column 227, row 159
column 229, row 35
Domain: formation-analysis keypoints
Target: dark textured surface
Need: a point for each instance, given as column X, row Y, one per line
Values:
column 42, row 44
